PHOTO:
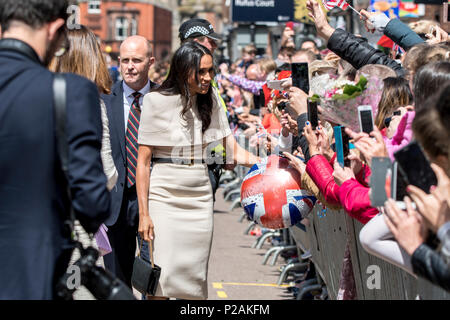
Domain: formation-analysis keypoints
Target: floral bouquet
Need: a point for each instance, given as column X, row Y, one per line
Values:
column 339, row 99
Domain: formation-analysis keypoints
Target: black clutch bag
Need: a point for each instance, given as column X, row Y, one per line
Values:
column 146, row 274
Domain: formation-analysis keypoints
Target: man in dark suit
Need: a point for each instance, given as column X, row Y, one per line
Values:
column 123, row 108
column 34, row 249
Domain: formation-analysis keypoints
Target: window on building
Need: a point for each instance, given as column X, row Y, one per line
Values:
column 94, row 6
column 133, row 27
column 121, row 28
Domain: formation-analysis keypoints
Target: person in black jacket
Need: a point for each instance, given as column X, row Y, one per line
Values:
column 34, row 248
column 433, row 212
column 410, row 232
column 357, row 51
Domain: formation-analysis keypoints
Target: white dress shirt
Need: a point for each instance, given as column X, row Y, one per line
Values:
column 128, row 99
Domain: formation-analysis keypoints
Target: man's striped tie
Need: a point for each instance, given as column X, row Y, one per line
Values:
column 131, row 139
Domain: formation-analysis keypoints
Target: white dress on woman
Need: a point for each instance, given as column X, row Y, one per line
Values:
column 180, row 196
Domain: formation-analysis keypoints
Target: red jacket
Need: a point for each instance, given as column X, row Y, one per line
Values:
column 321, row 172
column 355, row 199
column 352, row 194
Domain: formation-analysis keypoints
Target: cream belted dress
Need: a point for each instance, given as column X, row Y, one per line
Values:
column 180, row 195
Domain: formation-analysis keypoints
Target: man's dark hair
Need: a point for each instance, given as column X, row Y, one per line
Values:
column 309, row 40
column 428, row 80
column 283, row 67
column 34, row 13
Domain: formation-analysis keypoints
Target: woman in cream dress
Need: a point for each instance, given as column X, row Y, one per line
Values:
column 178, row 121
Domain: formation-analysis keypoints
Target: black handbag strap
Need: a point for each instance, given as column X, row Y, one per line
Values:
column 150, row 247
column 59, row 101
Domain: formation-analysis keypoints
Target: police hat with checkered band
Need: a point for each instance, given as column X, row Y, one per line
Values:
column 194, row 28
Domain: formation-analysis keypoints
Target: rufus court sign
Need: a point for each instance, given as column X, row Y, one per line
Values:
column 262, row 10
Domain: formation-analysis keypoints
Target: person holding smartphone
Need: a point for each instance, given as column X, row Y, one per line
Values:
column 396, row 94
column 386, row 237
column 433, row 213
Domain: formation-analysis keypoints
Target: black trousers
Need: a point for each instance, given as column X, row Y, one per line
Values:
column 122, row 236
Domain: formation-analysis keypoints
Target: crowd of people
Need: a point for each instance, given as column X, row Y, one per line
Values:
column 136, row 168
column 412, row 107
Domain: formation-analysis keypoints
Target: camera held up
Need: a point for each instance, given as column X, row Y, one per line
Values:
column 100, row 282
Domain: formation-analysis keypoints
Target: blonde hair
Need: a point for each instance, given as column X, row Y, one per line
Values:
column 422, row 54
column 377, row 70
column 422, row 27
column 267, row 65
column 318, row 67
column 249, row 49
column 412, row 56
column 84, row 58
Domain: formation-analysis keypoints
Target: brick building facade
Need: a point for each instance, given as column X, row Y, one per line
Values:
column 114, row 20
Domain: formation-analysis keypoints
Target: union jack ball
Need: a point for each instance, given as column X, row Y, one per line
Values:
column 271, row 194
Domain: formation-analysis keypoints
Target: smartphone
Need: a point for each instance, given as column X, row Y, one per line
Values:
column 281, row 155
column 398, row 187
column 398, row 184
column 300, row 76
column 380, row 168
column 365, row 116
column 345, row 146
column 258, row 100
column 342, row 146
column 313, row 116
column 276, row 84
column 415, row 167
column 282, row 105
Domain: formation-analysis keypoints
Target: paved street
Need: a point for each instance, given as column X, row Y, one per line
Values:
column 235, row 269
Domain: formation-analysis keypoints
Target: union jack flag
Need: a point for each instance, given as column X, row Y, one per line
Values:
column 397, row 49
column 330, row 4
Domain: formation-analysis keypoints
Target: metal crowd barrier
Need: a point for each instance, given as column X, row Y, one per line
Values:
column 326, row 237
column 324, row 242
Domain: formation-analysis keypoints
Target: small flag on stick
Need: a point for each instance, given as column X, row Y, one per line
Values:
column 330, row 4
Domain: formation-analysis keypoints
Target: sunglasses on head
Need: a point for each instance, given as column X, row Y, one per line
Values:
column 387, row 121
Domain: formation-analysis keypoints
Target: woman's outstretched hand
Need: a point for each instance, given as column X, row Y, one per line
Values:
column 433, row 207
column 295, row 162
column 324, row 30
column 368, row 146
column 341, row 175
column 406, row 226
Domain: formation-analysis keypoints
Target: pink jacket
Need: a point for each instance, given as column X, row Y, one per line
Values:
column 352, row 195
column 402, row 136
column 355, row 199
column 321, row 172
